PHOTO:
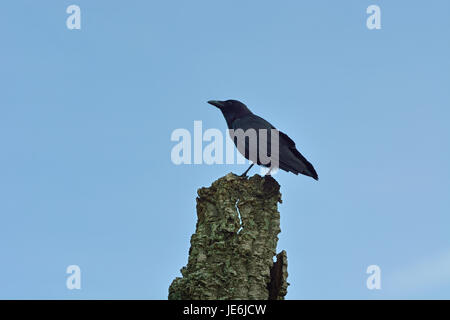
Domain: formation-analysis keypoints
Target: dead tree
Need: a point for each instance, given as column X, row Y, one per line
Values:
column 234, row 244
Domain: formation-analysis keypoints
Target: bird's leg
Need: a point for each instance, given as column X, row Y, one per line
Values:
column 245, row 173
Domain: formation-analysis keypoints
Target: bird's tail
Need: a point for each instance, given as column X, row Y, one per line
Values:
column 302, row 166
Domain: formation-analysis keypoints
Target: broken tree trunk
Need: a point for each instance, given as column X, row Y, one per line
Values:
column 232, row 249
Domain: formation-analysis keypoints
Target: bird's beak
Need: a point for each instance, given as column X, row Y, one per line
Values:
column 216, row 103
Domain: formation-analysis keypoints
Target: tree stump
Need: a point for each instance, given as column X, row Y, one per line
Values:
column 232, row 249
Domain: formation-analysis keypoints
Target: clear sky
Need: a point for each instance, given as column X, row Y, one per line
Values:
column 86, row 117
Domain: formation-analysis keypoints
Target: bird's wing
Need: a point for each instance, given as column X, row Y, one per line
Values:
column 255, row 123
column 291, row 160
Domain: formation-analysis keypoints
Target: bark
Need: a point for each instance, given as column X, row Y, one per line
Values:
column 232, row 249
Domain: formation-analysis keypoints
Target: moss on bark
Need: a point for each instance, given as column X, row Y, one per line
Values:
column 232, row 249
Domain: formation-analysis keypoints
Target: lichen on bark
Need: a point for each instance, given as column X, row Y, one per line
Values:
column 232, row 249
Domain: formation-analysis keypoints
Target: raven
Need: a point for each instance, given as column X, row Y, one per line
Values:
column 238, row 116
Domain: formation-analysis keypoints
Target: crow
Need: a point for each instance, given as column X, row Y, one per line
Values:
column 238, row 116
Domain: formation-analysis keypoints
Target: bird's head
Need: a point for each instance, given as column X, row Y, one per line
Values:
column 231, row 109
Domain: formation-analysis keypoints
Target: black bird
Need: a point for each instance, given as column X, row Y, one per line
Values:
column 238, row 116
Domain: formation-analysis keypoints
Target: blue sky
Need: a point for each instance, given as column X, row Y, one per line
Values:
column 86, row 117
